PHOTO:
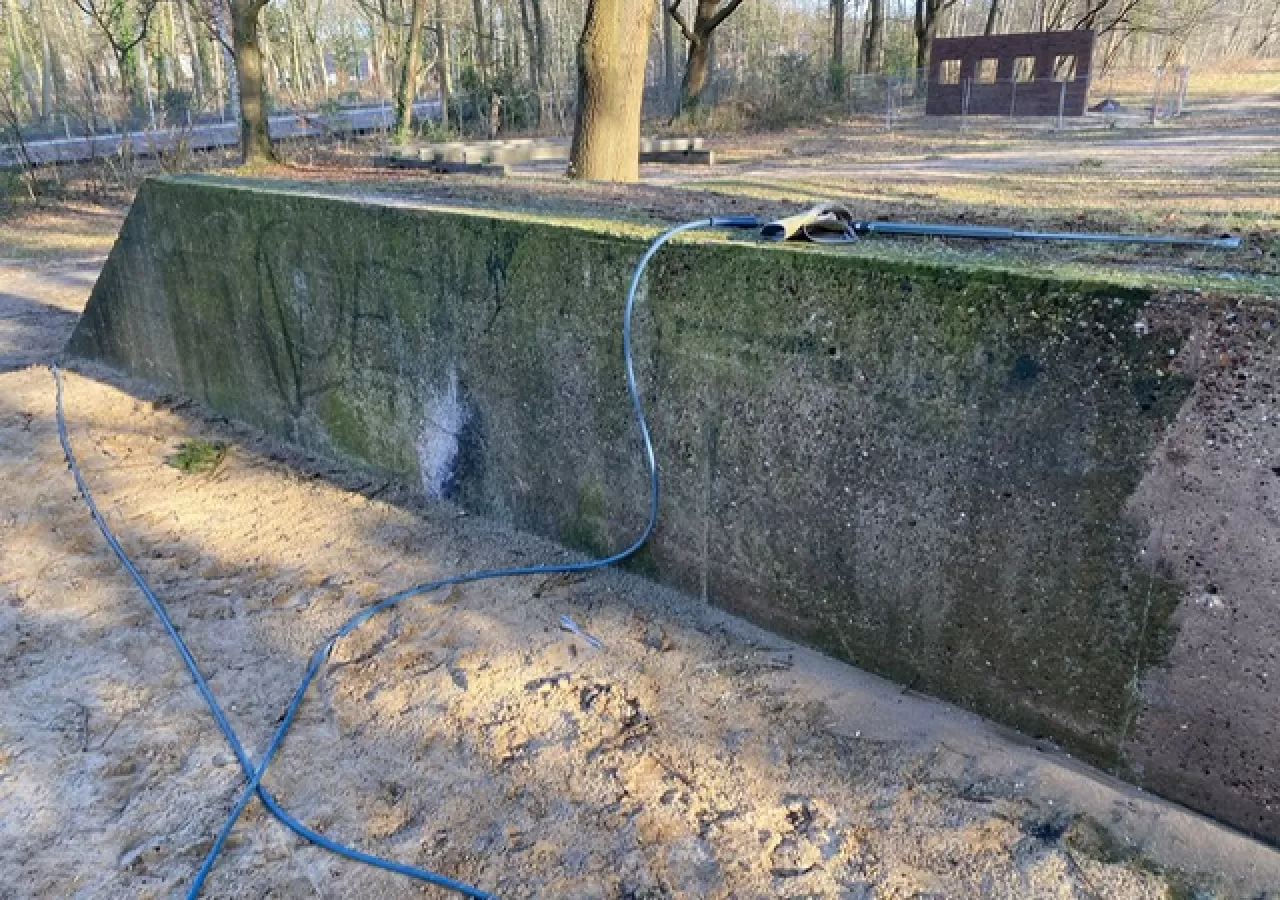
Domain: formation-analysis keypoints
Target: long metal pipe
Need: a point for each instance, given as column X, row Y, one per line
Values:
column 921, row 229
column 831, row 223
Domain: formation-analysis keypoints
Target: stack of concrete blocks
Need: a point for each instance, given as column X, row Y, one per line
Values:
column 496, row 157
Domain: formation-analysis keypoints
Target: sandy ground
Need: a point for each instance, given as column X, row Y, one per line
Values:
column 693, row 757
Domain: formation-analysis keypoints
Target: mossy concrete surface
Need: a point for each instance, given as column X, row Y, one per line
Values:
column 921, row 471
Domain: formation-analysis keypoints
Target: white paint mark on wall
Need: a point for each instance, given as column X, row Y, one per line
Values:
column 444, row 417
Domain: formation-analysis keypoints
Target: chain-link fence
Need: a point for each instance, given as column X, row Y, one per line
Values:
column 787, row 90
column 793, row 89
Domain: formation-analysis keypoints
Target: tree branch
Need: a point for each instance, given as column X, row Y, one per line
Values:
column 674, row 10
column 109, row 22
column 210, row 18
column 724, row 13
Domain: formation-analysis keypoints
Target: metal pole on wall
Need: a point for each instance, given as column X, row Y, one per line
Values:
column 1155, row 96
column 1013, row 95
column 1062, row 101
column 964, row 104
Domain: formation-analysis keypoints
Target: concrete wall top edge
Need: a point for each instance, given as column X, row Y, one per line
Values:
column 865, row 253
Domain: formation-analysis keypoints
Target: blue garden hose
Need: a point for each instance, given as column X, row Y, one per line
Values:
column 254, row 773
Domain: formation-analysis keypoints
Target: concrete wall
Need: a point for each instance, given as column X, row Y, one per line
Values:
column 947, row 477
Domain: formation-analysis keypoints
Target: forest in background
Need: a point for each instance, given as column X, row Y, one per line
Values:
column 90, row 66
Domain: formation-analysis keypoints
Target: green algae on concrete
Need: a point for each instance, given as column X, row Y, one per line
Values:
column 919, row 468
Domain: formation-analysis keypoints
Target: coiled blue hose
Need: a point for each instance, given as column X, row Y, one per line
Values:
column 321, row 655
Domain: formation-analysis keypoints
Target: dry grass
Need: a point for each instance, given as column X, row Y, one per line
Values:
column 58, row 231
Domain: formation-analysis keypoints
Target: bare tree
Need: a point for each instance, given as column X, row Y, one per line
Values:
column 88, row 59
column 17, row 41
column 612, row 53
column 928, row 15
column 1269, row 32
column 535, row 35
column 1101, row 16
column 708, row 15
column 197, row 61
column 255, row 134
column 444, row 53
column 836, row 69
column 47, row 80
column 993, row 16
column 125, row 26
column 407, row 86
column 10, row 118
column 482, row 50
column 873, row 41
column 669, row 74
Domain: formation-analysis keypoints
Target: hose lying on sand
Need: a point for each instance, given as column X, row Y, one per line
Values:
column 254, row 772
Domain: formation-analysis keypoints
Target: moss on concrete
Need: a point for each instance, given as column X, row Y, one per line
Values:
column 920, row 468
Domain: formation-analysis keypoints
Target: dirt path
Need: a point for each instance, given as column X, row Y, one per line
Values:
column 992, row 153
column 693, row 757
column 39, row 307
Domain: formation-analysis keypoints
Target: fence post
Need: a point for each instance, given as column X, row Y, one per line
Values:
column 1062, row 101
column 964, row 104
column 1013, row 95
column 1155, row 96
column 888, row 105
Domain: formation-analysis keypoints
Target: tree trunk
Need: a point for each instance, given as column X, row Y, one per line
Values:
column 407, row 88
column 1260, row 46
column 513, row 49
column 612, row 53
column 89, row 78
column 873, row 51
column 16, row 43
column 669, row 76
column 127, row 62
column 144, row 76
column 230, row 80
column 303, row 77
column 255, row 138
column 708, row 15
column 993, row 14
column 540, row 31
column 928, row 17
column 375, row 59
column 270, row 67
column 544, row 69
column 837, row 48
column 64, row 48
column 696, row 69
column 531, row 46
column 313, row 41
column 197, row 76
column 482, row 52
column 46, row 68
column 923, row 44
column 169, row 51
column 443, row 63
